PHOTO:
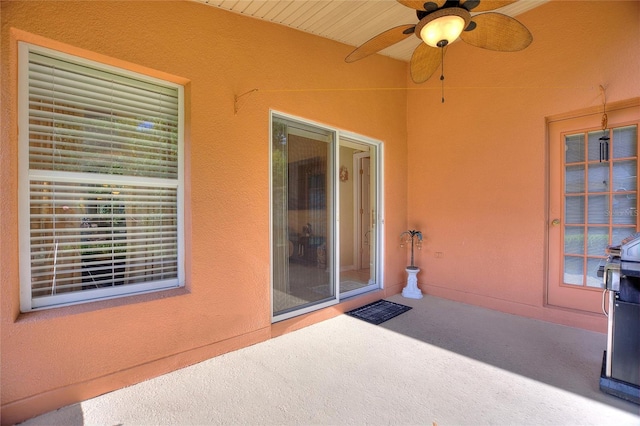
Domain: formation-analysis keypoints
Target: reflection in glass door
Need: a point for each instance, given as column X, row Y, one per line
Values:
column 302, row 217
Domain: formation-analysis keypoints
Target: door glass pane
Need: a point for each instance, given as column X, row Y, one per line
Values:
column 624, row 211
column 597, row 241
column 302, row 176
column 574, row 148
column 574, row 240
column 620, row 234
column 598, row 177
column 574, row 179
column 594, row 145
column 573, row 270
column 598, row 209
column 625, row 142
column 574, row 210
column 592, row 269
column 624, row 176
column 357, row 189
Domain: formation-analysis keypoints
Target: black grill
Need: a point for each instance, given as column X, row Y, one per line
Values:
column 621, row 362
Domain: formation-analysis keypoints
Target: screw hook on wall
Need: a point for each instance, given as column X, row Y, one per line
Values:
column 236, row 100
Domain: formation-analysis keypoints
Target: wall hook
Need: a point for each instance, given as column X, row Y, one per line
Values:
column 236, row 99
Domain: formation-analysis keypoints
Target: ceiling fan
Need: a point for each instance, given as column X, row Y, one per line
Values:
column 442, row 22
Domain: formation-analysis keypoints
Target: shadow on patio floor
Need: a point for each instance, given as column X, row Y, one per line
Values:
column 442, row 362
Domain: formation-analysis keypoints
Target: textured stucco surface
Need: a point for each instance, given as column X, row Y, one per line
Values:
column 481, row 171
column 77, row 352
column 470, row 173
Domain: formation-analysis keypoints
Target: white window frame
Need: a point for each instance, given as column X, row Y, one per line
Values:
column 379, row 221
column 25, row 175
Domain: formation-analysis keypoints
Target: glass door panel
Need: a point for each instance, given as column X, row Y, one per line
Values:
column 358, row 201
column 598, row 194
column 302, row 217
column 626, row 144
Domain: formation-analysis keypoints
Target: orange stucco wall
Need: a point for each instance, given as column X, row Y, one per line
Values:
column 60, row 356
column 478, row 162
column 470, row 173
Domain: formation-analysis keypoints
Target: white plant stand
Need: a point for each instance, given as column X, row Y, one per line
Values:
column 411, row 291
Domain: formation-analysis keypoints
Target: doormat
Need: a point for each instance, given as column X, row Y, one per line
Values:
column 378, row 312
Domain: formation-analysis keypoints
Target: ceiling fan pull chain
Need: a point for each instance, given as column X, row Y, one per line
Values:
column 442, row 75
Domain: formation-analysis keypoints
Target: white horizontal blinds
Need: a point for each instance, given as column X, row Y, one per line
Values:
column 88, row 120
column 103, row 182
column 88, row 236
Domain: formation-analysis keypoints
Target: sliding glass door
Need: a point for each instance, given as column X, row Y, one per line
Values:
column 302, row 211
column 324, row 203
column 358, row 206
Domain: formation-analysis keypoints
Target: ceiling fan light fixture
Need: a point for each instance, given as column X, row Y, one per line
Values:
column 443, row 26
column 442, row 31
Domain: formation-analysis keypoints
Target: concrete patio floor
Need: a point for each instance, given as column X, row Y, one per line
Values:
column 442, row 362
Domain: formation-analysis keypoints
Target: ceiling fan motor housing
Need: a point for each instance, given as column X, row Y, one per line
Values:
column 443, row 26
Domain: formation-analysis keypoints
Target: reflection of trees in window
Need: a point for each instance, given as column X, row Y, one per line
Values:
column 55, row 243
column 136, row 146
column 68, row 139
column 103, row 247
column 88, row 236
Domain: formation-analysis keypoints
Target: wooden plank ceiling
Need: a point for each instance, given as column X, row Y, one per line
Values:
column 352, row 22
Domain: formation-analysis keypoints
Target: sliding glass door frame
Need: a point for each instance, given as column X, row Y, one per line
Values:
column 334, row 205
column 377, row 220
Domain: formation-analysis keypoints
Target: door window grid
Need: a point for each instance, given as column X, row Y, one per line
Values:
column 600, row 200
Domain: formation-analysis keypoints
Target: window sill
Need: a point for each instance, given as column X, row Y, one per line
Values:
column 83, row 308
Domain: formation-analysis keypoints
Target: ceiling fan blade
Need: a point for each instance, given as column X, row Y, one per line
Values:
column 420, row 5
column 381, row 41
column 424, row 61
column 484, row 5
column 495, row 31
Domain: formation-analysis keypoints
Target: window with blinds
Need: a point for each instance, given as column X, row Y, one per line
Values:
column 100, row 181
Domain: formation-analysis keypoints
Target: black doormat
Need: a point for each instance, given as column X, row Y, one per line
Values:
column 378, row 312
